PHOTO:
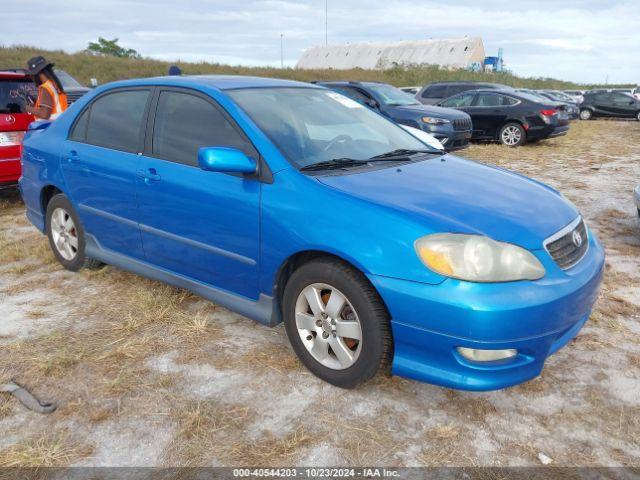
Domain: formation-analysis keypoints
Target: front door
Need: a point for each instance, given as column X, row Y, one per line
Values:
column 99, row 163
column 489, row 114
column 199, row 224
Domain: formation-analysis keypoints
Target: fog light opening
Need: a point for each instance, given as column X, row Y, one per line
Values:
column 477, row 355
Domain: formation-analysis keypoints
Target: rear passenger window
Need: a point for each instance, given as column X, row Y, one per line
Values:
column 434, row 91
column 488, row 100
column 79, row 132
column 353, row 94
column 508, row 100
column 185, row 122
column 116, row 120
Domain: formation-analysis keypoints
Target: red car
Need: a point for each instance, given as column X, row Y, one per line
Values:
column 15, row 90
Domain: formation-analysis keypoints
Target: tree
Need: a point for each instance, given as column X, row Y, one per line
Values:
column 111, row 48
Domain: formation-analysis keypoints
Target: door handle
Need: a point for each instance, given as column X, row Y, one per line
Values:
column 72, row 157
column 149, row 176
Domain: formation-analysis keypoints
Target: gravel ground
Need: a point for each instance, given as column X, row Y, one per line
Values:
column 149, row 375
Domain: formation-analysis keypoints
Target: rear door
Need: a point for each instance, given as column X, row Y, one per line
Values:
column 623, row 105
column 100, row 160
column 200, row 224
column 15, row 93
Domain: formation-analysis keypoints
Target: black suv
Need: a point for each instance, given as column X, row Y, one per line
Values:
column 601, row 103
column 436, row 92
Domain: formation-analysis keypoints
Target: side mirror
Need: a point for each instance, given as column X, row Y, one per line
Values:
column 225, row 159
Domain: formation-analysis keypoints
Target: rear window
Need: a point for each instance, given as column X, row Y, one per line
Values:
column 434, row 91
column 116, row 120
column 14, row 95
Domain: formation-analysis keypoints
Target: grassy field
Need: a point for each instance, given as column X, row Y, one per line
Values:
column 107, row 69
column 147, row 374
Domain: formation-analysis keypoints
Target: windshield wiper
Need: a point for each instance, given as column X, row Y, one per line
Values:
column 399, row 153
column 334, row 164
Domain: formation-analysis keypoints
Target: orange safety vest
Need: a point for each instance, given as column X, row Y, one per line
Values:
column 59, row 99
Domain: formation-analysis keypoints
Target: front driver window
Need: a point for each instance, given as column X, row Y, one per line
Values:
column 459, row 101
column 186, row 122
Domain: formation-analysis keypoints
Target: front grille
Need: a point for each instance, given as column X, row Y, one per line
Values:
column 569, row 245
column 72, row 97
column 462, row 124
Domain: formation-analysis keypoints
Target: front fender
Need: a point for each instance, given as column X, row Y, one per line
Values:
column 301, row 214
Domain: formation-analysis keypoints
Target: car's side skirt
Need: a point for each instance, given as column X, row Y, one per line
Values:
column 260, row 310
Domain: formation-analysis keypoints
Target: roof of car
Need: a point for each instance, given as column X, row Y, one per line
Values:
column 13, row 74
column 222, row 82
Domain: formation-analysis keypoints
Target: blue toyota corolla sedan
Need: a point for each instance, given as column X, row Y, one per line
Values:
column 286, row 201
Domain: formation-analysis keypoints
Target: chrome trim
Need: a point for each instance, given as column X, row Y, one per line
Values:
column 561, row 233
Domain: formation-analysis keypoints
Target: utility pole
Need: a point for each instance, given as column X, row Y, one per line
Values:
column 326, row 22
column 281, row 51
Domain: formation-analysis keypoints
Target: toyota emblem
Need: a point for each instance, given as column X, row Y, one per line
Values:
column 10, row 119
column 577, row 238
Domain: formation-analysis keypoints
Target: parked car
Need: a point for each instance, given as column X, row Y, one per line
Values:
column 510, row 117
column 576, row 95
column 609, row 104
column 558, row 96
column 16, row 90
column 450, row 127
column 285, row 201
column 411, row 90
column 636, row 198
column 434, row 93
column 563, row 101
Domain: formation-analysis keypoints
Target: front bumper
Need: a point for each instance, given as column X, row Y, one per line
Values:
column 452, row 140
column 536, row 318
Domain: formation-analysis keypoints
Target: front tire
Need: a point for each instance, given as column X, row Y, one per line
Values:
column 512, row 135
column 586, row 114
column 66, row 235
column 638, row 116
column 336, row 322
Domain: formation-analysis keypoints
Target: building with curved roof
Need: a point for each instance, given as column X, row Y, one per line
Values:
column 452, row 53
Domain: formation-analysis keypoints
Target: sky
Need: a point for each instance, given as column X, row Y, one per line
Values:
column 590, row 41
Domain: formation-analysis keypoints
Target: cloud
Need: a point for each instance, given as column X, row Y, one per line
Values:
column 543, row 38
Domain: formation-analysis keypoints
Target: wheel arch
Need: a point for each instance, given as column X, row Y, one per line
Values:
column 46, row 194
column 519, row 121
column 294, row 262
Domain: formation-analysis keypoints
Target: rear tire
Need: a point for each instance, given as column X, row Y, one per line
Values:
column 586, row 114
column 66, row 235
column 512, row 135
column 324, row 302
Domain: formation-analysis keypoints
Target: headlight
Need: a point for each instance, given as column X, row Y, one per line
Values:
column 435, row 120
column 477, row 259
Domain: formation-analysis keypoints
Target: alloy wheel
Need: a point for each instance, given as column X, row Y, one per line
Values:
column 585, row 114
column 328, row 326
column 64, row 233
column 511, row 135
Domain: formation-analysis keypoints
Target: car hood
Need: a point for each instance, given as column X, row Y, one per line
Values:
column 448, row 113
column 455, row 195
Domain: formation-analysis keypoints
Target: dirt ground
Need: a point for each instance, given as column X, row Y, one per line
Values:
column 146, row 374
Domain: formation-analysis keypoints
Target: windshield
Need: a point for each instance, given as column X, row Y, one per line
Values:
column 312, row 125
column 392, row 96
column 67, row 80
column 14, row 94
